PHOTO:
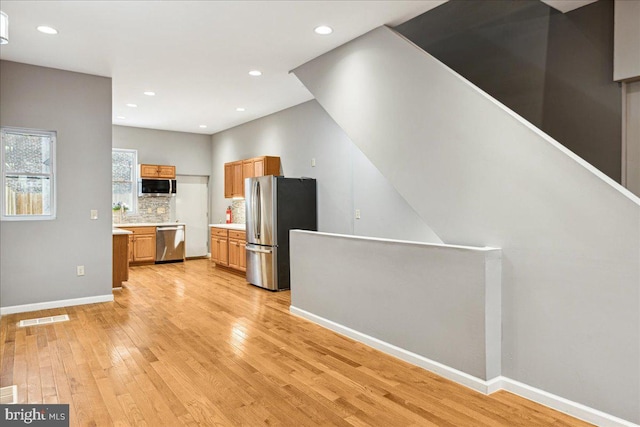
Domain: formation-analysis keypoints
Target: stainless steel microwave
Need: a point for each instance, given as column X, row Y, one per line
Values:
column 157, row 187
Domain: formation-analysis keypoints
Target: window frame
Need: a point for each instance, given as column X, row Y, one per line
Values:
column 51, row 175
column 133, row 209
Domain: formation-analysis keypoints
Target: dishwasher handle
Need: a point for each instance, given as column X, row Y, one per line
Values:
column 170, row 228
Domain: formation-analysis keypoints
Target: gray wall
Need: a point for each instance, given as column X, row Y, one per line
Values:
column 39, row 258
column 553, row 69
column 189, row 152
column 480, row 175
column 346, row 179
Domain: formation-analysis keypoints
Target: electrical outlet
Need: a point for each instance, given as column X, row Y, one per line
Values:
column 357, row 213
column 149, row 210
column 313, row 162
column 80, row 270
column 161, row 210
column 94, row 214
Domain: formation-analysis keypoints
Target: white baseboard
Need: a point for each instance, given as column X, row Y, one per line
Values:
column 542, row 397
column 55, row 304
column 443, row 370
column 561, row 404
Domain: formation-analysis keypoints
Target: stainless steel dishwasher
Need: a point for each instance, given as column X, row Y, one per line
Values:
column 170, row 243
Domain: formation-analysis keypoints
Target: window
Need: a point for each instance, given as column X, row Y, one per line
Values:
column 28, row 171
column 124, row 170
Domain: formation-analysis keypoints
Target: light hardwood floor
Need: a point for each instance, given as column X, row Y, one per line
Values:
column 189, row 344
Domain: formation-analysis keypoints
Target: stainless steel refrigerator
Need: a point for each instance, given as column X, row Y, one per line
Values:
column 275, row 205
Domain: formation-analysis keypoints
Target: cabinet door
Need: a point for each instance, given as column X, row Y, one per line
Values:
column 247, row 169
column 238, row 183
column 223, row 252
column 130, row 247
column 167, row 172
column 271, row 165
column 258, row 167
column 148, row 171
column 234, row 254
column 228, row 180
column 144, row 248
column 214, row 249
column 242, row 253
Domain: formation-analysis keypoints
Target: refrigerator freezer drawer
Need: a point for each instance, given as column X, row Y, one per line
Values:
column 262, row 266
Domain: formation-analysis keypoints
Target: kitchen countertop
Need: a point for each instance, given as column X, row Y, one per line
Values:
column 229, row 226
column 148, row 224
column 117, row 232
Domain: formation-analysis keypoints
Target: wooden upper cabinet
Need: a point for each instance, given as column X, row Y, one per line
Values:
column 258, row 167
column 236, row 172
column 238, row 182
column 247, row 169
column 148, row 171
column 267, row 165
column 157, row 171
column 228, row 180
column 233, row 183
column 166, row 171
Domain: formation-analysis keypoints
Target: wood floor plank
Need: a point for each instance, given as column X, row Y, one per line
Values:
column 195, row 345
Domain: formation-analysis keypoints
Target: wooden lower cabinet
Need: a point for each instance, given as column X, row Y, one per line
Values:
column 228, row 248
column 237, row 250
column 130, row 247
column 120, row 266
column 142, row 245
column 219, row 251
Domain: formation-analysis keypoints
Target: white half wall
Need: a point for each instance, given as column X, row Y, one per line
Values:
column 480, row 175
column 436, row 301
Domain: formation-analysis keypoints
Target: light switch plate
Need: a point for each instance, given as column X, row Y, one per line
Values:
column 357, row 213
column 94, row 214
column 313, row 162
column 80, row 270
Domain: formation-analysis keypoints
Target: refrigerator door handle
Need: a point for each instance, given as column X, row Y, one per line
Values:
column 258, row 210
column 262, row 251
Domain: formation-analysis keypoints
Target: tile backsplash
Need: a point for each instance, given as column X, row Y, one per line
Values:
column 150, row 209
column 237, row 211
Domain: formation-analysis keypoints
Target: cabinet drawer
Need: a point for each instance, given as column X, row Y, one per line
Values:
column 140, row 230
column 239, row 235
column 219, row 232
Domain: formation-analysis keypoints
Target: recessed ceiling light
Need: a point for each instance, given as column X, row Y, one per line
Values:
column 255, row 73
column 323, row 30
column 203, row 126
column 240, row 109
column 132, row 105
column 47, row 30
column 149, row 93
column 121, row 117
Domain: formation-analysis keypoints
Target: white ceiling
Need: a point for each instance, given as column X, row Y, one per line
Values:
column 194, row 54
